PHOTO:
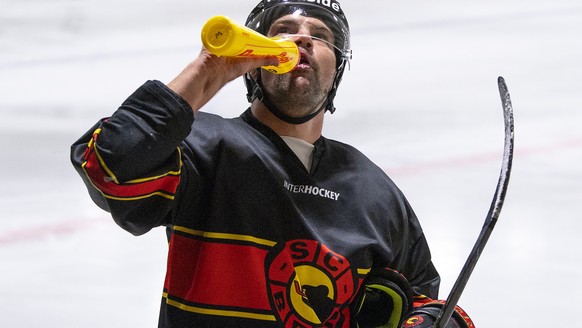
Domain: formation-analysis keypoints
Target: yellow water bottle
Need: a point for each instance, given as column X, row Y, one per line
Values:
column 224, row 37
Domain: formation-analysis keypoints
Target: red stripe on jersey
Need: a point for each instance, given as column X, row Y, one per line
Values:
column 217, row 274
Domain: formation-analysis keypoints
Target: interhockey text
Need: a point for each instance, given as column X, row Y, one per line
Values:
column 311, row 190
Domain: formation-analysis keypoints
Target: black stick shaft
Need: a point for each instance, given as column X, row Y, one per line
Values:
column 492, row 216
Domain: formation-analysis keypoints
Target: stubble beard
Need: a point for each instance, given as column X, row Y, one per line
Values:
column 297, row 96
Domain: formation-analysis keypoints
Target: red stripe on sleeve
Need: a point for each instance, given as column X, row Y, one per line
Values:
column 108, row 185
column 166, row 184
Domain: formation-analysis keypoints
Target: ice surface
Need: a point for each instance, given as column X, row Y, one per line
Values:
column 420, row 99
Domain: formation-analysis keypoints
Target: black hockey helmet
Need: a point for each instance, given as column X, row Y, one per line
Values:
column 329, row 12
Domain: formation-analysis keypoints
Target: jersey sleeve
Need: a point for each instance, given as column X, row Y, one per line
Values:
column 415, row 260
column 426, row 280
column 131, row 163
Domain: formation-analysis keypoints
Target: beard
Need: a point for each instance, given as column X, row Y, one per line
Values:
column 296, row 94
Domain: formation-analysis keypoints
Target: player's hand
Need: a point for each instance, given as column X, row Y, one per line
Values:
column 208, row 73
column 230, row 68
column 383, row 301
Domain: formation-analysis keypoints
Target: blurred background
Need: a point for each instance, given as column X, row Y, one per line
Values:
column 420, row 99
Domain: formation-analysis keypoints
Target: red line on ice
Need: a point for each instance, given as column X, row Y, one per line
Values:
column 520, row 152
column 40, row 232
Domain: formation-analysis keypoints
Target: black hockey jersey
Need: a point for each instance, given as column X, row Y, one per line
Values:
column 256, row 240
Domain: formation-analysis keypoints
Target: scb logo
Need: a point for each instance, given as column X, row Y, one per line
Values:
column 309, row 285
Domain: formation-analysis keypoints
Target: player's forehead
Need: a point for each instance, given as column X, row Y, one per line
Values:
column 297, row 19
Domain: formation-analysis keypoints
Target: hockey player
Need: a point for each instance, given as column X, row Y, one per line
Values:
column 270, row 224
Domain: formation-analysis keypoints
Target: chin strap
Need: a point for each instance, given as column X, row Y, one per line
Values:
column 258, row 93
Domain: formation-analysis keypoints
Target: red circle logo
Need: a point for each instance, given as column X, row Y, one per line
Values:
column 309, row 285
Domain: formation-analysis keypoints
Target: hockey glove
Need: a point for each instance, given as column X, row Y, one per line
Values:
column 426, row 315
column 383, row 300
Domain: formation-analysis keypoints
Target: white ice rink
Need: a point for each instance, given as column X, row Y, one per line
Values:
column 420, row 99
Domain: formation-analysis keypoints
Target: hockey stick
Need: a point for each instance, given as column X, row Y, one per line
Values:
column 492, row 216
